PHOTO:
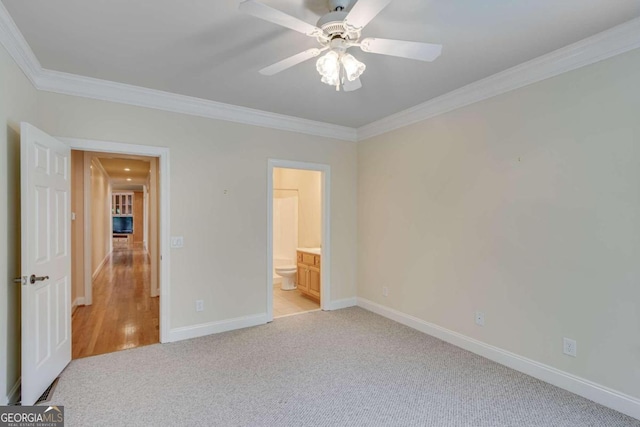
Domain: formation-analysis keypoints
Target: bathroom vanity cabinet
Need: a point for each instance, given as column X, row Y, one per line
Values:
column 309, row 274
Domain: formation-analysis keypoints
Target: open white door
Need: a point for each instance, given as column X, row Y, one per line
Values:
column 46, row 261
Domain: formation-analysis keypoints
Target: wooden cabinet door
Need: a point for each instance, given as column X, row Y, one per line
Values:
column 314, row 282
column 302, row 278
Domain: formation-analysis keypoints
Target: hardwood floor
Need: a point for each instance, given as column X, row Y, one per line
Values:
column 123, row 314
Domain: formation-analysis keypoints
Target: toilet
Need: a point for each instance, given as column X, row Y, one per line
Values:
column 288, row 274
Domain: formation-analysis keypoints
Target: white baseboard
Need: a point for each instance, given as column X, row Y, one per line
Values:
column 195, row 331
column 101, row 265
column 600, row 394
column 342, row 303
column 78, row 301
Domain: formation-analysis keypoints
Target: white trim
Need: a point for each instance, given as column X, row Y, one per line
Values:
column 104, row 90
column 15, row 43
column 76, row 303
column 162, row 153
column 617, row 40
column 87, row 248
column 203, row 329
column 269, row 307
column 296, row 314
column 343, row 303
column 598, row 393
column 101, row 265
column 88, row 87
column 614, row 41
column 325, row 266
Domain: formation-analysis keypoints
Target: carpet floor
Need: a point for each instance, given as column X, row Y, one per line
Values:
column 346, row 367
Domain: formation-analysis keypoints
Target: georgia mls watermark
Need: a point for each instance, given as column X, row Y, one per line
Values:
column 31, row 416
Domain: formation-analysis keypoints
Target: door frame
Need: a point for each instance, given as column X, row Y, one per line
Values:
column 325, row 265
column 162, row 153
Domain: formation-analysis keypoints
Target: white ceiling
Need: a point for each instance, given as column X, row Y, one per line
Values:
column 208, row 49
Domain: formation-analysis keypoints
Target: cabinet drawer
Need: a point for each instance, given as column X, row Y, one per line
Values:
column 316, row 260
column 308, row 258
column 299, row 256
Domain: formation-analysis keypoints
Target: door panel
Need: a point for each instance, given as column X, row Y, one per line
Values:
column 61, row 224
column 45, row 237
column 41, row 212
column 62, row 321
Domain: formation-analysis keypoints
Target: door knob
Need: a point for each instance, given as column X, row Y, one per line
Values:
column 33, row 279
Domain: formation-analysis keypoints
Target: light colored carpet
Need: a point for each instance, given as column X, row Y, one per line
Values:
column 347, row 367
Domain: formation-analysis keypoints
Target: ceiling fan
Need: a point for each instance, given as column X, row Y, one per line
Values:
column 337, row 31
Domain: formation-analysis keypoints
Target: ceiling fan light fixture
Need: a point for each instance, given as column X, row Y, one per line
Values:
column 352, row 67
column 337, row 31
column 329, row 68
column 334, row 66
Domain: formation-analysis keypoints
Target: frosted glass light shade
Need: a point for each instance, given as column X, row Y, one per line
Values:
column 334, row 67
column 352, row 67
column 329, row 68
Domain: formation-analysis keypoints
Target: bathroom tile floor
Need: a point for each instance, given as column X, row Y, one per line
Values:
column 291, row 302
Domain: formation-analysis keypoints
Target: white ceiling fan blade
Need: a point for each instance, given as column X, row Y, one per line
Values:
column 350, row 86
column 270, row 14
column 401, row 48
column 290, row 62
column 363, row 12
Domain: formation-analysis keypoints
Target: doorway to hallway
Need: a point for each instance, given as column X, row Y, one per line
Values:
column 115, row 241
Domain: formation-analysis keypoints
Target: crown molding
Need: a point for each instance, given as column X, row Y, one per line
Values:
column 12, row 39
column 617, row 40
column 87, row 87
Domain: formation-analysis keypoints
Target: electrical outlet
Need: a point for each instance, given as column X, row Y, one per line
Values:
column 569, row 347
column 479, row 318
column 385, row 291
column 199, row 305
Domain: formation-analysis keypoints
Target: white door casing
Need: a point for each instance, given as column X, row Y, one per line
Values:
column 325, row 266
column 163, row 256
column 46, row 254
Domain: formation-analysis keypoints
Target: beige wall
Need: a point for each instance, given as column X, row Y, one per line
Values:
column 525, row 206
column 224, row 234
column 309, row 186
column 100, row 215
column 77, row 226
column 17, row 103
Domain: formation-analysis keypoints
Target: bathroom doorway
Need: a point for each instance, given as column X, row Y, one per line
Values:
column 298, row 253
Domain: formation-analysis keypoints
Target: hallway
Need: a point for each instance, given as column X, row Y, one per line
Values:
column 123, row 314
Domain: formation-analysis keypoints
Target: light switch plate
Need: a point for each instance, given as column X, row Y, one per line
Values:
column 177, row 241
